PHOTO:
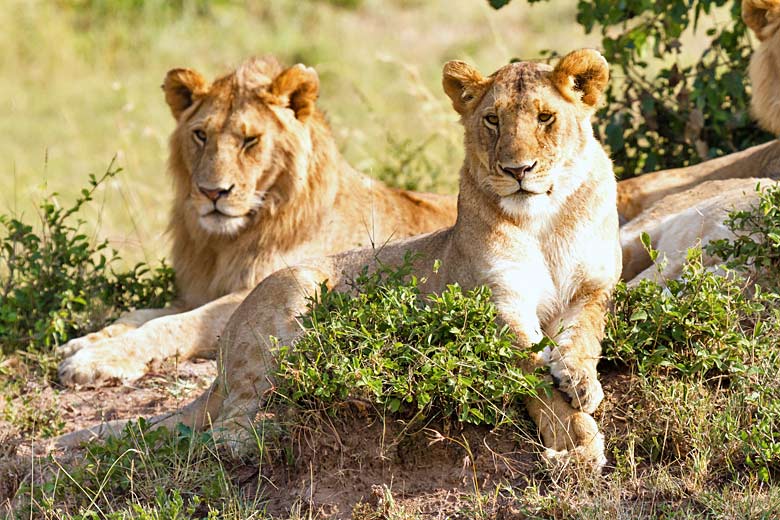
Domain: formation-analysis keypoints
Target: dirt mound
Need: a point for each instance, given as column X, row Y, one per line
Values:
column 354, row 456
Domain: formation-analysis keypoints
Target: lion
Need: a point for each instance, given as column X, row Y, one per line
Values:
column 763, row 17
column 761, row 161
column 680, row 219
column 536, row 222
column 259, row 185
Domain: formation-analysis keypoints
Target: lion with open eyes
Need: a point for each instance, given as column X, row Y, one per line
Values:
column 537, row 222
column 259, row 185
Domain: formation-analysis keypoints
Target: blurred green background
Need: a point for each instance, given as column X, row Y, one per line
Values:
column 81, row 84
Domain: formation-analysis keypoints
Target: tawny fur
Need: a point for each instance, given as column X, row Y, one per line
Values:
column 290, row 196
column 546, row 242
column 763, row 16
column 639, row 193
column 681, row 221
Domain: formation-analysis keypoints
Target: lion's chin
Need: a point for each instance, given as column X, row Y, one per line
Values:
column 526, row 203
column 217, row 223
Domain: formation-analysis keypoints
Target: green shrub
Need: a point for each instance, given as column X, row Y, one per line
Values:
column 668, row 106
column 712, row 338
column 389, row 344
column 57, row 283
column 703, row 323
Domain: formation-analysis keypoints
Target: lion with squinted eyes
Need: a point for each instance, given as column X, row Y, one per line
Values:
column 537, row 223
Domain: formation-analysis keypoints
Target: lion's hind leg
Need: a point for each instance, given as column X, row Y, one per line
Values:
column 269, row 316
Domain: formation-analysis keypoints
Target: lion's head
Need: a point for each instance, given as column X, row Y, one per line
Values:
column 240, row 146
column 528, row 125
column 763, row 17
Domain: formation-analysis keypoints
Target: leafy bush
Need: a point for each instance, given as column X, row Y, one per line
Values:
column 703, row 323
column 387, row 343
column 660, row 111
column 57, row 283
column 709, row 337
column 757, row 242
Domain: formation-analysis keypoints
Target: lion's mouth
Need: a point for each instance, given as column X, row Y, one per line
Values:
column 220, row 223
column 524, row 192
column 219, row 214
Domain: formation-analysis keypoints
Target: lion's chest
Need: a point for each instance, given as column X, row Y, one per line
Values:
column 531, row 286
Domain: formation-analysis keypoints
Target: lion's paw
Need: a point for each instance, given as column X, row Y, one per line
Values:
column 590, row 456
column 99, row 365
column 92, row 339
column 580, row 384
column 76, row 344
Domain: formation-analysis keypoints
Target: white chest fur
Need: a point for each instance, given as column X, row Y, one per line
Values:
column 532, row 286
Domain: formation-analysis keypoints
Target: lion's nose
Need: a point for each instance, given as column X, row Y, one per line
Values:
column 214, row 194
column 518, row 170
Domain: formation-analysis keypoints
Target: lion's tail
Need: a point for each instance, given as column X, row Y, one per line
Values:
column 196, row 415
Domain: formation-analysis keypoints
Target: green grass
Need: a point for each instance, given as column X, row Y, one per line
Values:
column 142, row 474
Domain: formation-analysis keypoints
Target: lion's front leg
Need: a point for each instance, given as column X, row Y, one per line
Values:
column 125, row 357
column 127, row 322
column 567, row 433
column 577, row 334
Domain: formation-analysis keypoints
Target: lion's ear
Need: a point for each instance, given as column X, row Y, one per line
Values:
column 463, row 84
column 297, row 88
column 180, row 87
column 757, row 14
column 582, row 76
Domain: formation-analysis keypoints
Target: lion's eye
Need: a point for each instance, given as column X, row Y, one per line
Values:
column 545, row 117
column 250, row 141
column 491, row 120
column 199, row 136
